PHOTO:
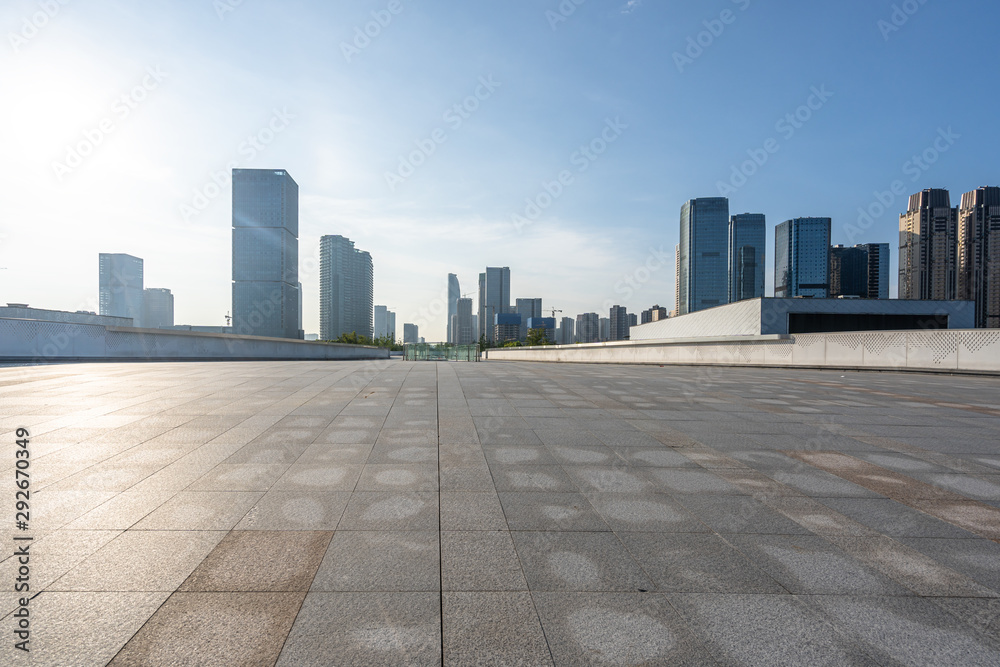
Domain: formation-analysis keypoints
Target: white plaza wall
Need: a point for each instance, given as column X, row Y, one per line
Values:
column 40, row 341
column 976, row 350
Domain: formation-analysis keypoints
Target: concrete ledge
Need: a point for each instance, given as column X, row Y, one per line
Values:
column 949, row 351
column 38, row 341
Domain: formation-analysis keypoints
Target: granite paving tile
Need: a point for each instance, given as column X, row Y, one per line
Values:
column 362, row 629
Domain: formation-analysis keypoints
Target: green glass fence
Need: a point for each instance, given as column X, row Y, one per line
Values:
column 440, row 352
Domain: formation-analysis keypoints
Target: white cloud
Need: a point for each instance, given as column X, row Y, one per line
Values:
column 631, row 6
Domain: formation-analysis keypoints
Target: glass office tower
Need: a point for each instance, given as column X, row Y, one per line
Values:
column 120, row 284
column 747, row 242
column 265, row 253
column 802, row 258
column 703, row 262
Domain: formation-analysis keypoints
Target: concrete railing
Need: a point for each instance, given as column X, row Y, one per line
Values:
column 976, row 350
column 41, row 341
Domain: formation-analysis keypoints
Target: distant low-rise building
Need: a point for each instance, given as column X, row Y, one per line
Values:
column 22, row 311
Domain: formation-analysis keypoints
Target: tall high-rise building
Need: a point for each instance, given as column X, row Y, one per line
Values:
column 346, row 288
column 633, row 320
column 411, row 333
column 703, row 254
column 120, row 284
column 848, row 272
column 390, row 325
column 494, row 299
column 265, row 253
column 588, row 328
column 301, row 332
column 157, row 308
column 462, row 331
column 567, row 331
column 878, row 269
column 604, row 325
column 618, row 323
column 802, row 258
column 380, row 320
column 454, row 294
column 747, row 243
column 527, row 309
column 979, row 254
column 928, row 247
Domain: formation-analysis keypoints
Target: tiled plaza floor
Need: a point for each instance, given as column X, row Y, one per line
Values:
column 395, row 513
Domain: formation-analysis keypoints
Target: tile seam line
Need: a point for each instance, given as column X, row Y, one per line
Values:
column 437, row 414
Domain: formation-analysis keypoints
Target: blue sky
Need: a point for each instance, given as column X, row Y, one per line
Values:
column 166, row 96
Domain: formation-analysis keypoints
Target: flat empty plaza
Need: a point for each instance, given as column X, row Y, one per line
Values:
column 501, row 513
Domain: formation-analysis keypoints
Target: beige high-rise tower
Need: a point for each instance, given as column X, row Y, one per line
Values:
column 928, row 239
column 979, row 254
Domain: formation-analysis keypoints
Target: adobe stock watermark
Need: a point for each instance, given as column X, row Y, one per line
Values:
column 34, row 24
column 246, row 153
column 582, row 159
column 633, row 282
column 363, row 35
column 78, row 151
column 915, row 167
column 786, row 127
column 900, row 16
column 562, row 13
column 223, row 7
column 698, row 44
column 455, row 116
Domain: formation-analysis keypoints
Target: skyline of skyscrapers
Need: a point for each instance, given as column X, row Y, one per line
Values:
column 346, row 291
column 747, row 256
column 265, row 253
column 120, row 285
column 945, row 252
column 703, row 253
column 802, row 258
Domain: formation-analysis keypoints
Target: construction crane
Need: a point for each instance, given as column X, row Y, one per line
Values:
column 554, row 311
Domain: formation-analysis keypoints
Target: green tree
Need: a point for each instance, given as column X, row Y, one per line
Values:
column 537, row 337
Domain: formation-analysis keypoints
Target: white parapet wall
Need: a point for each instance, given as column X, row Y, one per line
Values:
column 952, row 350
column 37, row 341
